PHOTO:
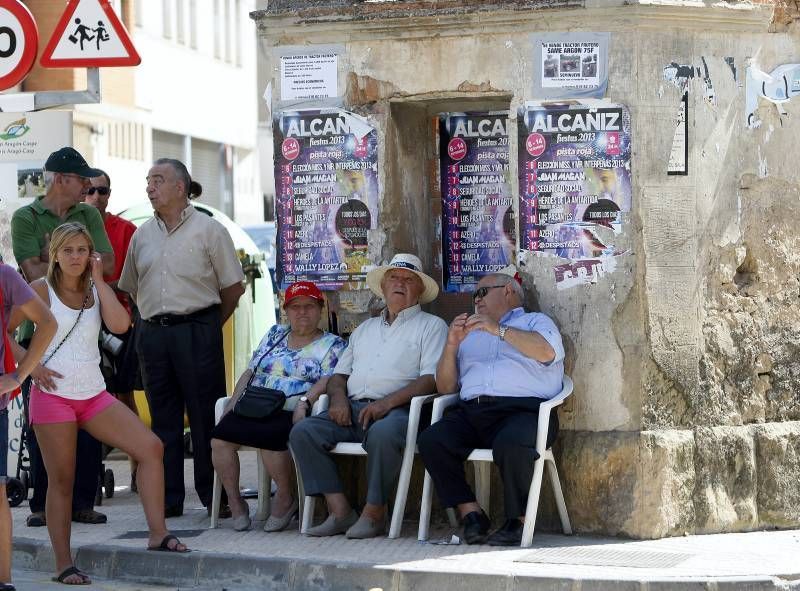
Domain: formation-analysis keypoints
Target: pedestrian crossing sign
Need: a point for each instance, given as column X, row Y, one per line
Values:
column 89, row 35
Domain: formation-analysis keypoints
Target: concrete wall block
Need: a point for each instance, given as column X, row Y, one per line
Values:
column 664, row 405
column 673, row 323
column 669, row 226
column 726, row 488
column 778, row 472
column 665, row 481
column 598, row 477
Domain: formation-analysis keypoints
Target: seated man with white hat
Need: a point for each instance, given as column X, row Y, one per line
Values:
column 389, row 360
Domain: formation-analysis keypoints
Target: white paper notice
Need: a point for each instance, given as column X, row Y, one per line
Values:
column 570, row 64
column 309, row 76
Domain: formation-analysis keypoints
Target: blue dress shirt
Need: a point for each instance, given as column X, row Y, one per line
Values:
column 490, row 366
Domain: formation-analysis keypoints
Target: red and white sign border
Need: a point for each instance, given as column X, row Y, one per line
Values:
column 133, row 58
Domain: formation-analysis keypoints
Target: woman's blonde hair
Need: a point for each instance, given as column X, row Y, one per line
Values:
column 58, row 239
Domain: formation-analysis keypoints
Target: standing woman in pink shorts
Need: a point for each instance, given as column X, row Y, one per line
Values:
column 69, row 393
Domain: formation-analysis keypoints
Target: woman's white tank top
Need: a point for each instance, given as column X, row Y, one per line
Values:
column 78, row 359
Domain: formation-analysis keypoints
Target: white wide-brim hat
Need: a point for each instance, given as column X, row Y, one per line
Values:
column 409, row 262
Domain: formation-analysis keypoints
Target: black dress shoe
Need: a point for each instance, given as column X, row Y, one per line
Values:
column 224, row 511
column 476, row 526
column 508, row 535
column 88, row 516
column 173, row 510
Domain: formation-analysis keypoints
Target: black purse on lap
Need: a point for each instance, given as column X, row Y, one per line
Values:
column 257, row 402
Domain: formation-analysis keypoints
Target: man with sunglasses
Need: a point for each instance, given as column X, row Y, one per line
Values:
column 67, row 180
column 504, row 362
column 119, row 230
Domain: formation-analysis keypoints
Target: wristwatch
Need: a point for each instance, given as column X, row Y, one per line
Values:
column 501, row 332
column 304, row 398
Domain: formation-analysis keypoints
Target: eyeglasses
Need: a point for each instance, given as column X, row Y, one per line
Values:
column 482, row 291
column 99, row 190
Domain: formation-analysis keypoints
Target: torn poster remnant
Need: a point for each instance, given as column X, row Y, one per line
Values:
column 583, row 271
column 732, row 65
column 678, row 74
column 778, row 87
column 709, row 96
column 679, row 155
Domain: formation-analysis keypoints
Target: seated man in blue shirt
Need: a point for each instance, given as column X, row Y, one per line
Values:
column 504, row 362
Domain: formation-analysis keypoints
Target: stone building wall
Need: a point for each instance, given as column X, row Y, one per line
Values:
column 686, row 358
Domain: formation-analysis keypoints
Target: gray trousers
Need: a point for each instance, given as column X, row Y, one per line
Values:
column 384, row 441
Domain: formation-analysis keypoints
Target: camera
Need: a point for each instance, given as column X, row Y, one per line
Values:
column 111, row 343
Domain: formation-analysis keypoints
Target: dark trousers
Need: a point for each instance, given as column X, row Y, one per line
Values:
column 88, row 460
column 183, row 367
column 507, row 426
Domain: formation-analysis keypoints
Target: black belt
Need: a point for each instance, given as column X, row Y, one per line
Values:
column 173, row 319
column 484, row 399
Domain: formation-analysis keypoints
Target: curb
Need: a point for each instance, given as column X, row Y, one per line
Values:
column 233, row 571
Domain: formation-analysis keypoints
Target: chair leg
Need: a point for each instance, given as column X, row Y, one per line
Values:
column 451, row 517
column 308, row 514
column 559, row 496
column 533, row 504
column 425, row 509
column 217, row 493
column 483, row 480
column 403, row 482
column 264, row 489
column 304, row 516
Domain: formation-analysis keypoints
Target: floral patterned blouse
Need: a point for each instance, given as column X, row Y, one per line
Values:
column 294, row 371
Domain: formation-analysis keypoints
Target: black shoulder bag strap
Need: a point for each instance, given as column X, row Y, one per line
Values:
column 260, row 359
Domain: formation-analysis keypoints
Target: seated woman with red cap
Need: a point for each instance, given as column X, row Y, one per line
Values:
column 297, row 360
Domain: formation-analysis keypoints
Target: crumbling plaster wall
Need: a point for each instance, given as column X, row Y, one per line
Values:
column 685, row 416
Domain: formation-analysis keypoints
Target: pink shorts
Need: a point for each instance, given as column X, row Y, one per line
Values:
column 50, row 408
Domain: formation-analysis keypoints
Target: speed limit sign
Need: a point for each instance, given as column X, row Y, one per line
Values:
column 19, row 39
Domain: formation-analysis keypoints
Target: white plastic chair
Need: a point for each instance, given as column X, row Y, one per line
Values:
column 483, row 457
column 355, row 449
column 264, row 480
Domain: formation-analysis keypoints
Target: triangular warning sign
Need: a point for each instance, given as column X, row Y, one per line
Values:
column 89, row 35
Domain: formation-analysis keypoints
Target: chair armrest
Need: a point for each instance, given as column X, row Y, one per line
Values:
column 545, row 408
column 414, row 415
column 441, row 403
column 321, row 405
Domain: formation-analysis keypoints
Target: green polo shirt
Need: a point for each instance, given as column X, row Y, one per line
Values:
column 31, row 222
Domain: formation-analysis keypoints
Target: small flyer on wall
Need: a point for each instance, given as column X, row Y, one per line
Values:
column 574, row 177
column 570, row 65
column 478, row 225
column 309, row 76
column 326, row 197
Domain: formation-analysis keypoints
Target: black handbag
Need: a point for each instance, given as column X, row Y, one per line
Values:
column 257, row 402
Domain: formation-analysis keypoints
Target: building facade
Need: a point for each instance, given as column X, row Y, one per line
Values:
column 686, row 412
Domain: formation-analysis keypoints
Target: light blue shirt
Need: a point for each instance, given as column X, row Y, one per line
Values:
column 490, row 366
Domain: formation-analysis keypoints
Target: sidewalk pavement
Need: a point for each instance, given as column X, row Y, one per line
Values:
column 225, row 559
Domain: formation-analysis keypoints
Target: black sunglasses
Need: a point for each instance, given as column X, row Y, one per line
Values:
column 482, row 291
column 99, row 190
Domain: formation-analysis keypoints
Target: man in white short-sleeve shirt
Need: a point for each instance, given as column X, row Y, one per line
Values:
column 389, row 360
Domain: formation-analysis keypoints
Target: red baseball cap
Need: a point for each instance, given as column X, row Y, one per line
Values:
column 303, row 288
